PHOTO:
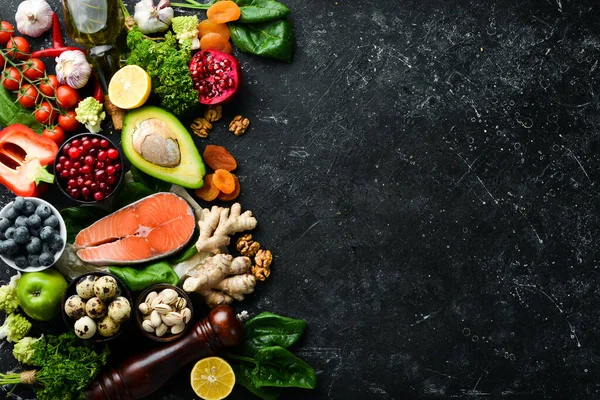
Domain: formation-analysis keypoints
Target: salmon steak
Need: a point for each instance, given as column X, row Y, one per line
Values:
column 153, row 227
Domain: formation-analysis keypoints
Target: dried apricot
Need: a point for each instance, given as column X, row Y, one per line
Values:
column 223, row 11
column 209, row 191
column 224, row 180
column 236, row 192
column 207, row 26
column 214, row 41
column 217, row 157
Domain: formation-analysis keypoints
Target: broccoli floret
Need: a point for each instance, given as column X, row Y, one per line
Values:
column 26, row 348
column 8, row 295
column 89, row 112
column 15, row 328
column 186, row 28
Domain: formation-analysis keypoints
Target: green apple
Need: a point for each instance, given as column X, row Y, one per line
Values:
column 40, row 293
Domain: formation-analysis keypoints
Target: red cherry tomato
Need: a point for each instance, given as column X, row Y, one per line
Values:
column 68, row 122
column 6, row 32
column 57, row 134
column 18, row 48
column 48, row 85
column 28, row 96
column 45, row 114
column 11, row 79
column 34, row 69
column 66, row 96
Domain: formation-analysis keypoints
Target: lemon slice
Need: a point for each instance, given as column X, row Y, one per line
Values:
column 212, row 378
column 129, row 87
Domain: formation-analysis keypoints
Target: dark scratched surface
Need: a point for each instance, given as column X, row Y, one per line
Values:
column 426, row 174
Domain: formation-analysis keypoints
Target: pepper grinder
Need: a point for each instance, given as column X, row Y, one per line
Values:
column 143, row 374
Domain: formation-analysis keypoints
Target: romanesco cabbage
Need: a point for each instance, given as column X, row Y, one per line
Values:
column 8, row 295
column 186, row 28
column 14, row 328
column 26, row 348
column 89, row 112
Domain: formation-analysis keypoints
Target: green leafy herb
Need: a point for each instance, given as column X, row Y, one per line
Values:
column 130, row 193
column 268, row 39
column 11, row 112
column 140, row 278
column 243, row 377
column 186, row 254
column 254, row 11
column 278, row 367
column 156, row 185
column 78, row 218
column 268, row 329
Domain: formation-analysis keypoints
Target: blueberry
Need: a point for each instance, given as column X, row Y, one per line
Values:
column 19, row 203
column 51, row 221
column 43, row 211
column 2, row 236
column 35, row 231
column 34, row 246
column 56, row 242
column 21, row 221
column 46, row 233
column 22, row 235
column 4, row 224
column 33, row 260
column 46, row 248
column 34, row 221
column 46, row 259
column 10, row 232
column 29, row 208
column 12, row 214
column 10, row 247
column 21, row 261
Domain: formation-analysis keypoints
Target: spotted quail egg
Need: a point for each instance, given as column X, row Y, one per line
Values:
column 108, row 327
column 85, row 327
column 105, row 287
column 75, row 307
column 95, row 308
column 85, row 287
column 119, row 310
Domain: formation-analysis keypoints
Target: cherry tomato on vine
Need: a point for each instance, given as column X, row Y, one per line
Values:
column 56, row 134
column 18, row 48
column 34, row 69
column 48, row 85
column 66, row 96
column 11, row 79
column 28, row 96
column 45, row 114
column 68, row 122
column 6, row 32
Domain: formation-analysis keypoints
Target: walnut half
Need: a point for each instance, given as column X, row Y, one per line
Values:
column 263, row 260
column 201, row 127
column 246, row 246
column 214, row 113
column 239, row 125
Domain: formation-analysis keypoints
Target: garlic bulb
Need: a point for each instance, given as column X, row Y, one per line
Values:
column 152, row 19
column 73, row 69
column 34, row 17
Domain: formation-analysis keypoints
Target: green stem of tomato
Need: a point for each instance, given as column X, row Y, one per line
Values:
column 193, row 6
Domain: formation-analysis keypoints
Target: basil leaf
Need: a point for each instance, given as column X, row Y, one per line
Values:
column 155, row 185
column 78, row 218
column 12, row 112
column 267, row 39
column 130, row 193
column 268, row 329
column 278, row 367
column 243, row 377
column 254, row 11
column 138, row 279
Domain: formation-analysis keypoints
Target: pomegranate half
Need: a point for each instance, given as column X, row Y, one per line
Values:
column 217, row 76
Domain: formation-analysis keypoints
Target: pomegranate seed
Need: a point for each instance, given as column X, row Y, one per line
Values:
column 113, row 154
column 74, row 152
column 104, row 143
column 102, row 155
column 111, row 179
column 98, row 196
column 110, row 170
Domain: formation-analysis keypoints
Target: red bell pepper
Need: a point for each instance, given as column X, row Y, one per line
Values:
column 24, row 156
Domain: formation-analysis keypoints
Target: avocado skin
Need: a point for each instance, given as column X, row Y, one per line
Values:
column 190, row 171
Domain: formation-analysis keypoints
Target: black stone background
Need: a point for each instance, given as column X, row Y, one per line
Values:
column 426, row 174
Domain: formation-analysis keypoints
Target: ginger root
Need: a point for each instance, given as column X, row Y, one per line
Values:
column 222, row 279
column 218, row 224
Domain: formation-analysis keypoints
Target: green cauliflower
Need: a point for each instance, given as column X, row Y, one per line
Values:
column 89, row 112
column 25, row 349
column 8, row 295
column 186, row 28
column 15, row 328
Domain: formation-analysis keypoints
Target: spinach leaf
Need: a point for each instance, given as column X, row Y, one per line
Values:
column 268, row 329
column 12, row 112
column 129, row 193
column 267, row 39
column 78, row 218
column 254, row 11
column 186, row 254
column 140, row 278
column 278, row 367
column 155, row 185
column 243, row 377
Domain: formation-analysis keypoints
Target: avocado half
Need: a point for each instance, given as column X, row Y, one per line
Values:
column 158, row 144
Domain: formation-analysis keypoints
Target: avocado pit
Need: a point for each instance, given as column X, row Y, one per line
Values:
column 155, row 143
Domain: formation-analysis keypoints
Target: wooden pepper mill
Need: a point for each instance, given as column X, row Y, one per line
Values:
column 143, row 374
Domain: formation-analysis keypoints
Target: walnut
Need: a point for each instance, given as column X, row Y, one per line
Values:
column 201, row 127
column 263, row 260
column 214, row 113
column 239, row 125
column 246, row 246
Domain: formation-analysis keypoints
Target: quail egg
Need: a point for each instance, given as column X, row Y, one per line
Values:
column 105, row 287
column 95, row 308
column 85, row 327
column 119, row 310
column 75, row 307
column 108, row 327
column 85, row 287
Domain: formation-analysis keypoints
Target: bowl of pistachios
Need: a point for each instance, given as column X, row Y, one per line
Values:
column 164, row 312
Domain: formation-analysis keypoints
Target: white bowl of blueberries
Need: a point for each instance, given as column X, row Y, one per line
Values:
column 33, row 235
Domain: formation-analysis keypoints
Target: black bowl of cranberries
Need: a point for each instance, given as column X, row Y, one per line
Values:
column 88, row 168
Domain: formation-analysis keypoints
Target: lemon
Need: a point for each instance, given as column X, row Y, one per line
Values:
column 129, row 87
column 212, row 378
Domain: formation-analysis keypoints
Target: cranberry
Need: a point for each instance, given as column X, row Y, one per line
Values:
column 85, row 191
column 62, row 159
column 86, row 169
column 71, row 183
column 77, row 164
column 102, row 155
column 99, row 165
column 104, row 143
column 74, row 193
column 72, row 172
column 117, row 167
column 88, row 182
column 64, row 173
column 102, row 186
column 74, row 152
column 88, row 176
column 86, row 144
column 59, row 167
column 94, row 187
column 80, row 181
column 66, row 148
column 98, row 196
column 67, row 164
column 100, row 175
column 93, row 152
column 75, row 142
column 89, row 160
column 113, row 154
column 110, row 170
